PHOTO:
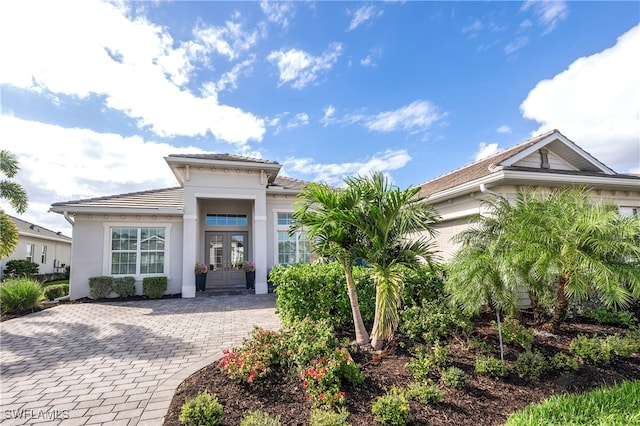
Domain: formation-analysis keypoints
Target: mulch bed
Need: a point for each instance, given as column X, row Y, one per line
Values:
column 484, row 401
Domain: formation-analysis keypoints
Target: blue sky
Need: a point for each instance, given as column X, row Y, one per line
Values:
column 93, row 95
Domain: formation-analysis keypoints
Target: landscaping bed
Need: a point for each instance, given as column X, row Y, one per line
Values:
column 484, row 400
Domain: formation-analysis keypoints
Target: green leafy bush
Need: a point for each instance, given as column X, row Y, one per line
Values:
column 562, row 361
column 424, row 360
column 592, row 349
column 424, row 283
column 21, row 268
column 204, row 409
column 307, row 340
column 19, row 294
column 323, row 379
column 602, row 315
column 489, row 366
column 454, row 377
column 253, row 360
column 320, row 417
column 531, row 364
column 424, row 392
column 515, row 333
column 481, row 345
column 392, row 408
column 433, row 320
column 124, row 286
column 100, row 287
column 154, row 287
column 259, row 418
column 54, row 291
column 623, row 346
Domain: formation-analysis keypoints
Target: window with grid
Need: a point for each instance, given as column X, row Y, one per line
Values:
column 136, row 251
column 43, row 258
column 31, row 248
column 291, row 248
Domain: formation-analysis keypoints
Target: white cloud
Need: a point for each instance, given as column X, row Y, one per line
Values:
column 416, row 117
column 278, row 12
column 129, row 61
column 362, row 15
column 299, row 120
column 61, row 164
column 371, row 60
column 595, row 103
column 329, row 113
column 516, row 44
column 334, row 173
column 504, row 129
column 485, row 150
column 550, row 12
column 229, row 80
column 473, row 28
column 300, row 68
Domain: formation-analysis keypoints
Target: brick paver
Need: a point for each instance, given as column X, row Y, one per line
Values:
column 116, row 363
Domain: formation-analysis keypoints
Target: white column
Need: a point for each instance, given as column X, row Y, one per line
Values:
column 260, row 242
column 189, row 238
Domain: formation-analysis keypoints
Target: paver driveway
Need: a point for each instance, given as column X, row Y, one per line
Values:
column 116, row 363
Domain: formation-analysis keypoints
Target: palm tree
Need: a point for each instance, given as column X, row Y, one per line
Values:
column 17, row 197
column 393, row 222
column 318, row 212
column 561, row 244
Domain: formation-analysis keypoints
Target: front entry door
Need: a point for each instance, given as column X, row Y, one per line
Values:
column 226, row 252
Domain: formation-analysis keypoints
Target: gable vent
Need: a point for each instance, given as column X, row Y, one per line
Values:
column 544, row 158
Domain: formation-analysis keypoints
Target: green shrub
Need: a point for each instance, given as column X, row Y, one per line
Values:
column 481, row 345
column 259, row 418
column 433, row 320
column 307, row 340
column 623, row 346
column 392, row 408
column 424, row 283
column 154, row 287
column 253, row 360
column 321, row 417
column 562, row 361
column 323, row 379
column 515, row 333
column 531, row 364
column 100, row 287
column 54, row 291
column 21, row 268
column 424, row 360
column 19, row 294
column 592, row 349
column 424, row 393
column 204, row 409
column 489, row 366
column 125, row 286
column 454, row 377
column 602, row 315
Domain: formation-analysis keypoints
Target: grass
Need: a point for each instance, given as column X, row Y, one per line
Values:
column 48, row 283
column 613, row 406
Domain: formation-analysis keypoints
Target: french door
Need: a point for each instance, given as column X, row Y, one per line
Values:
column 225, row 254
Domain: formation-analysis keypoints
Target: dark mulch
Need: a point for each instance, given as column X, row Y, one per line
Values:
column 484, row 402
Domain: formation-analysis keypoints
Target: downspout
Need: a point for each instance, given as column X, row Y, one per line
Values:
column 483, row 189
column 66, row 216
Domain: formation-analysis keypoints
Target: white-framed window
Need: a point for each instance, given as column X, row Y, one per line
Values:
column 629, row 211
column 291, row 248
column 31, row 248
column 137, row 250
column 43, row 257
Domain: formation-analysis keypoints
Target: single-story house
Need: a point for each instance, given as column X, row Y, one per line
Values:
column 546, row 161
column 49, row 249
column 230, row 209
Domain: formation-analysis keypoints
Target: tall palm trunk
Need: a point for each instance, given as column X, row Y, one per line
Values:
column 560, row 307
column 537, row 309
column 362, row 337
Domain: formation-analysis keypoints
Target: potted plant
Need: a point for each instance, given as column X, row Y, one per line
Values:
column 201, row 276
column 249, row 269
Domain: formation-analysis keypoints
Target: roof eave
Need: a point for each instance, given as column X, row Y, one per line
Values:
column 165, row 211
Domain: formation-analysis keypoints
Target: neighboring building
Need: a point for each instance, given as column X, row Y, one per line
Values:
column 546, row 161
column 229, row 209
column 50, row 250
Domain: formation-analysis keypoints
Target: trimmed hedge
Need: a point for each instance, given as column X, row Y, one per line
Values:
column 125, row 286
column 57, row 290
column 154, row 287
column 100, row 287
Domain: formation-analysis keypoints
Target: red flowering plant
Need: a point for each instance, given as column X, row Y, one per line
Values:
column 323, row 379
column 252, row 361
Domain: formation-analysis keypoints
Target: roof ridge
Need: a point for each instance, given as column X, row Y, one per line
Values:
column 208, row 155
column 31, row 224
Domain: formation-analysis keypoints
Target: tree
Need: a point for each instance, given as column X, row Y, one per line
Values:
column 17, row 197
column 392, row 222
column 318, row 211
column 557, row 247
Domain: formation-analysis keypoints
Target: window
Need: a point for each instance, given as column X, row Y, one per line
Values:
column 227, row 220
column 136, row 251
column 43, row 258
column 31, row 248
column 291, row 248
column 628, row 211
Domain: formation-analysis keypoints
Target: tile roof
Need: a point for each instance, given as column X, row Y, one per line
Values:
column 225, row 157
column 169, row 198
column 29, row 228
column 289, row 183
